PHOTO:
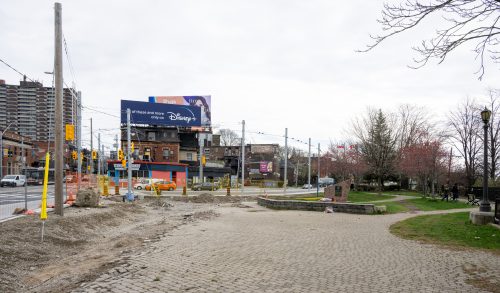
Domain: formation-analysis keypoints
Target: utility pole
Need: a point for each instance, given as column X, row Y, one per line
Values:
column 242, row 156
column 285, row 178
column 98, row 154
column 201, row 141
column 79, row 139
column 59, row 143
column 23, row 158
column 309, row 168
column 319, row 173
column 130, row 195
column 91, row 149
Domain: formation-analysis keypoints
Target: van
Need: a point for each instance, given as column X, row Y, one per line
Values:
column 13, row 180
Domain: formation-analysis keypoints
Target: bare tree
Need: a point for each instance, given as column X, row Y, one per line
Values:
column 425, row 159
column 347, row 161
column 378, row 143
column 412, row 125
column 465, row 123
column 476, row 21
column 494, row 133
column 229, row 137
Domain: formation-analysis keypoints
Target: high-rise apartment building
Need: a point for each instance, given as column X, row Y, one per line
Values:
column 30, row 107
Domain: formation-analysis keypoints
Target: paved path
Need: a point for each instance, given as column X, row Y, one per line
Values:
column 259, row 250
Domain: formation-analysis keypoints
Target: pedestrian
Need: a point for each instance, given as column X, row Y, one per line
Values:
column 445, row 192
column 454, row 192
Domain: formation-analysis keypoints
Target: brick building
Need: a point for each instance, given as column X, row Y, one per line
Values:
column 16, row 150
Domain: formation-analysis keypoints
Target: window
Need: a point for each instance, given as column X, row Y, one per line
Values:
column 189, row 156
column 166, row 154
column 151, row 135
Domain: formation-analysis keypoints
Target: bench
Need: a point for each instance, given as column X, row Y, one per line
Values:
column 471, row 198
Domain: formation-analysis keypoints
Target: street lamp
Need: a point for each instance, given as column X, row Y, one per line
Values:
column 485, row 204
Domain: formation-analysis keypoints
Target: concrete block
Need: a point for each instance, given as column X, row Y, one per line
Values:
column 481, row 218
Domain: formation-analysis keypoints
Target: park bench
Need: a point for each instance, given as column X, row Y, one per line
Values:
column 471, row 198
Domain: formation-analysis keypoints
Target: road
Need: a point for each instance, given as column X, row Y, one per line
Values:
column 10, row 195
column 13, row 197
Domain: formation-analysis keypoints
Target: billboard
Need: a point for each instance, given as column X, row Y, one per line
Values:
column 266, row 167
column 203, row 102
column 160, row 114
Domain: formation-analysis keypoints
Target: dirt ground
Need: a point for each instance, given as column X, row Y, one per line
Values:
column 85, row 242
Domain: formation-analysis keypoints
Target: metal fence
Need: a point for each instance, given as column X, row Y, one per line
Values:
column 19, row 199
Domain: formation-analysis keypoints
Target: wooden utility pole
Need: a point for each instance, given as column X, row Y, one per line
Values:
column 59, row 143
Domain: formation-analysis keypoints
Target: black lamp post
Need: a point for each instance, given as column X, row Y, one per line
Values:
column 485, row 204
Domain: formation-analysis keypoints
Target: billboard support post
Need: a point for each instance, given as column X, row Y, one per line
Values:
column 130, row 195
column 201, row 141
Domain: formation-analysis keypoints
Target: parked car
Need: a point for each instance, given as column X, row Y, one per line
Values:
column 205, row 186
column 307, row 186
column 163, row 185
column 13, row 180
column 141, row 185
column 145, row 182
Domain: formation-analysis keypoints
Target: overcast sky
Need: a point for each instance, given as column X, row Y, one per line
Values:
column 274, row 64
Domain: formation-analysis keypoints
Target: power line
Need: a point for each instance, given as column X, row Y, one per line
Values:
column 22, row 74
column 70, row 63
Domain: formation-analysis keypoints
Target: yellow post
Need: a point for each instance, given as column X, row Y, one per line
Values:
column 43, row 213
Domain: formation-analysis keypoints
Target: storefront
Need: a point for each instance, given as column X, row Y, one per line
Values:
column 175, row 172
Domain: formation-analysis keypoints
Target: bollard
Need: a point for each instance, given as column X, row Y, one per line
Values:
column 184, row 190
column 228, row 191
column 117, row 190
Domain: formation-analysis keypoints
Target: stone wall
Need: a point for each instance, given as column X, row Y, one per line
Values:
column 316, row 206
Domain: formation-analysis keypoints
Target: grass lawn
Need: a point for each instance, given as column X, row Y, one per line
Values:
column 360, row 196
column 427, row 204
column 394, row 207
column 448, row 229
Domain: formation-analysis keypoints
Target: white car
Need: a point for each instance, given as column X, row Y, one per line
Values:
column 307, row 186
column 141, row 185
column 13, row 180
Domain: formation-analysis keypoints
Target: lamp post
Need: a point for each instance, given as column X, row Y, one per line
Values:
column 485, row 204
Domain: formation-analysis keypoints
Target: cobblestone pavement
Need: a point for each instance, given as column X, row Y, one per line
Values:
column 259, row 250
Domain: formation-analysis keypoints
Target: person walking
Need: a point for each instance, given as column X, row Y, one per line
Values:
column 454, row 192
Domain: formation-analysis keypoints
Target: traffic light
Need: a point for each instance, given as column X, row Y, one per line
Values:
column 74, row 155
column 120, row 154
column 124, row 163
column 203, row 160
column 131, row 147
column 94, row 155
